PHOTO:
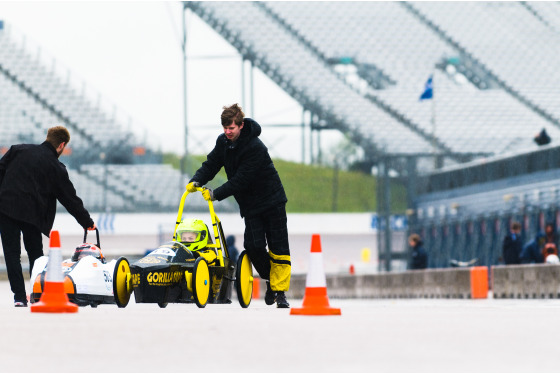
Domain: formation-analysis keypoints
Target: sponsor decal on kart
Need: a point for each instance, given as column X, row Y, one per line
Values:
column 164, row 279
column 163, row 251
column 108, row 280
column 135, row 280
column 152, row 260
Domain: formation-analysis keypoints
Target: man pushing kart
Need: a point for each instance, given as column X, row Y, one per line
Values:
column 256, row 186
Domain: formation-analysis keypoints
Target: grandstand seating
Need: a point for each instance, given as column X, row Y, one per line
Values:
column 516, row 46
column 32, row 99
column 547, row 12
column 142, row 187
column 94, row 125
column 389, row 36
column 280, row 55
column 506, row 51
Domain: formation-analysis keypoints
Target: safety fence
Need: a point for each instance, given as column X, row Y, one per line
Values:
column 481, row 236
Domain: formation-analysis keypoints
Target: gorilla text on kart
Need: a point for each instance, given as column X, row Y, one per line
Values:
column 188, row 269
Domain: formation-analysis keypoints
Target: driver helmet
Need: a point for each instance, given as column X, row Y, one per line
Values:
column 87, row 249
column 193, row 233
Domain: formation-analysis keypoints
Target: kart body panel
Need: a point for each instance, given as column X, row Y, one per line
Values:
column 165, row 276
column 86, row 282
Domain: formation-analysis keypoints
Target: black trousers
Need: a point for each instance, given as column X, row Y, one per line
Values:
column 11, row 231
column 269, row 227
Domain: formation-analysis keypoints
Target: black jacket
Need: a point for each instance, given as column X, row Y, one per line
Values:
column 31, row 180
column 511, row 249
column 419, row 257
column 252, row 177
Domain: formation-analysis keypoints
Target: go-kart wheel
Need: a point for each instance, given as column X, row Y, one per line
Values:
column 122, row 287
column 244, row 279
column 201, row 282
column 162, row 305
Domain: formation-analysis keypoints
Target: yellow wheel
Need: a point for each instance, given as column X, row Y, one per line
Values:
column 244, row 279
column 201, row 282
column 122, row 287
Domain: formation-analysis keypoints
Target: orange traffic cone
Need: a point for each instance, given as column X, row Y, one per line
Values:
column 54, row 299
column 315, row 300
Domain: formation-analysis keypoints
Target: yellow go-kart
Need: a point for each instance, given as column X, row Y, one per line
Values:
column 174, row 274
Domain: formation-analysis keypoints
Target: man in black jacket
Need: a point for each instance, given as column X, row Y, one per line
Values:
column 512, row 245
column 255, row 184
column 419, row 256
column 31, row 180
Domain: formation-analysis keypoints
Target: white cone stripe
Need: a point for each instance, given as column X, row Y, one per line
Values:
column 316, row 274
column 54, row 267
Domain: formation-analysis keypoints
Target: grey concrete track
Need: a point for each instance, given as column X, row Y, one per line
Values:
column 370, row 336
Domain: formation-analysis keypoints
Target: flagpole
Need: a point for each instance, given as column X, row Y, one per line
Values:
column 433, row 120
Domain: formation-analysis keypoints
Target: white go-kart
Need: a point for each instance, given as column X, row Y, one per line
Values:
column 87, row 276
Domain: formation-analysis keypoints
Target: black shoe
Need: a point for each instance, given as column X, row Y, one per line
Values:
column 20, row 304
column 270, row 295
column 281, row 301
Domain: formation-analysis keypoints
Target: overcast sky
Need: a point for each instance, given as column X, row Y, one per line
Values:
column 130, row 52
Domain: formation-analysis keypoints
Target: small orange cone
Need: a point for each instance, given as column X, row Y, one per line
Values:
column 54, row 299
column 315, row 300
column 256, row 288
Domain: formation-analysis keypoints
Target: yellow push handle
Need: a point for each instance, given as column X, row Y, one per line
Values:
column 214, row 218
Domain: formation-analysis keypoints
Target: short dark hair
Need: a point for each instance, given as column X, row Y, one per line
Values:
column 515, row 226
column 57, row 135
column 232, row 113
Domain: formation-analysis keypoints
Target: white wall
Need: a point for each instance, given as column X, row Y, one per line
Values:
column 148, row 224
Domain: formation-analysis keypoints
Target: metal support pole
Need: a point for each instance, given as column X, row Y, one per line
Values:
column 387, row 214
column 433, row 120
column 411, row 201
column 319, row 154
column 251, row 90
column 185, row 123
column 242, row 82
column 303, row 136
column 311, row 156
column 380, row 219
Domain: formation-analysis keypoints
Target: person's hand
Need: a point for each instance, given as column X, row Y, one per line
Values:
column 191, row 187
column 92, row 227
column 208, row 195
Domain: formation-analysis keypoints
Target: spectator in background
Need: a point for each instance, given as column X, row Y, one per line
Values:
column 551, row 236
column 512, row 245
column 537, row 249
column 542, row 138
column 232, row 249
column 550, row 254
column 419, row 254
column 531, row 252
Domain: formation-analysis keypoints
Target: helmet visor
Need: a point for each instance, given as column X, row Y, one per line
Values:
column 81, row 253
column 189, row 236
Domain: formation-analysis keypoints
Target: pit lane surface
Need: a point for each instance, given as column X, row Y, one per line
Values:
column 371, row 335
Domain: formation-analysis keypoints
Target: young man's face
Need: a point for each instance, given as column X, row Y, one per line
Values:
column 233, row 131
column 188, row 236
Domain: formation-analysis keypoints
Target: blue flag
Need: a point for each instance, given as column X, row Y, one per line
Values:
column 428, row 90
